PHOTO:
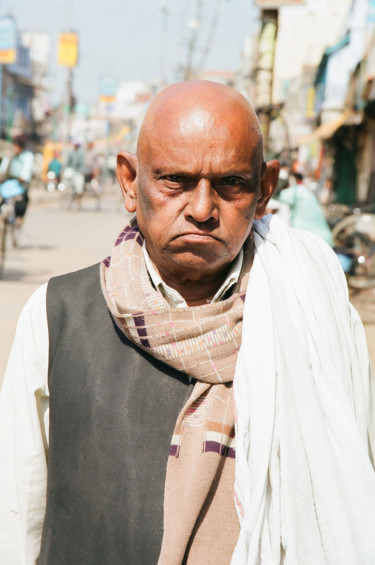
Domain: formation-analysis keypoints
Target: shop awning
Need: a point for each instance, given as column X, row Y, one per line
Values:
column 326, row 131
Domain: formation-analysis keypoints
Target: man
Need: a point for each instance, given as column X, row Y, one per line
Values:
column 305, row 211
column 74, row 172
column 132, row 404
column 92, row 168
column 55, row 166
column 17, row 167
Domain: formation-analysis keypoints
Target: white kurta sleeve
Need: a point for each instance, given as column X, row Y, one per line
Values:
column 24, row 436
column 367, row 377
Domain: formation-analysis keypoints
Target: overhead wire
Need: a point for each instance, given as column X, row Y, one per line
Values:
column 211, row 34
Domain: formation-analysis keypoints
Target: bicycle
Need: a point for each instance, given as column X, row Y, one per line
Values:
column 72, row 188
column 94, row 187
column 7, row 224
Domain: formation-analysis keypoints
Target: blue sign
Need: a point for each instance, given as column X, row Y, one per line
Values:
column 8, row 40
column 107, row 87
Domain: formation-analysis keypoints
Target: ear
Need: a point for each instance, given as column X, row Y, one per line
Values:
column 268, row 184
column 126, row 172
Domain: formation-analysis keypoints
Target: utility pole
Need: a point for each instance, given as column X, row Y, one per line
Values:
column 165, row 13
column 194, row 25
column 68, row 55
column 265, row 71
column 67, row 111
column 211, row 33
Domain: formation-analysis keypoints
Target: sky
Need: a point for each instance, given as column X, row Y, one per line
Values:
column 136, row 40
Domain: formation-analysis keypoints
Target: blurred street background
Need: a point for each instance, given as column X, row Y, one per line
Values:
column 76, row 77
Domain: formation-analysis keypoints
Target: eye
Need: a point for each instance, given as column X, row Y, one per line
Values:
column 174, row 178
column 231, row 181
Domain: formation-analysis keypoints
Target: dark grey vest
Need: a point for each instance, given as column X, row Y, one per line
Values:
column 112, row 413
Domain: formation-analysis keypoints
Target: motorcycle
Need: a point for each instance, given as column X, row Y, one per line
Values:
column 354, row 239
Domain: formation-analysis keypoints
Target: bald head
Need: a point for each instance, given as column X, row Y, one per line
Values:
column 198, row 109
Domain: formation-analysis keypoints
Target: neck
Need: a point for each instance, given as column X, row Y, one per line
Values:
column 197, row 293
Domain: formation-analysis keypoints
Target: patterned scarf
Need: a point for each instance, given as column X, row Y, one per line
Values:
column 202, row 341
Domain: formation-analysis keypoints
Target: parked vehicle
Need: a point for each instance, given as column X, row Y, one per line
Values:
column 354, row 239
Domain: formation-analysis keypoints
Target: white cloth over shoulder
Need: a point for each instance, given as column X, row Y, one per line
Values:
column 305, row 482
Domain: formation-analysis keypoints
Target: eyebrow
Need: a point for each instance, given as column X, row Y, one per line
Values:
column 250, row 177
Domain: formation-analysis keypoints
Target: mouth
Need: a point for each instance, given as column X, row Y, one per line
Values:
column 197, row 237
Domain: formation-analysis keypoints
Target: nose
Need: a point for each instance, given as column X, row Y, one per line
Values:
column 203, row 206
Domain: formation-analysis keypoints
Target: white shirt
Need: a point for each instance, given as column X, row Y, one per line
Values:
column 21, row 166
column 24, row 423
column 174, row 298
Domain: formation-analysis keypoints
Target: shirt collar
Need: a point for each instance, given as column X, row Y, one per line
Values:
column 174, row 298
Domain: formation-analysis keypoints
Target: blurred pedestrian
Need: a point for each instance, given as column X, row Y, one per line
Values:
column 92, row 166
column 305, row 210
column 16, row 172
column 55, row 165
column 74, row 171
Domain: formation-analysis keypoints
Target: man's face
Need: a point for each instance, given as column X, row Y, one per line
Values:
column 196, row 195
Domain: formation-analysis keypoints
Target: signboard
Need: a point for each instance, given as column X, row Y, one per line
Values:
column 274, row 4
column 8, row 41
column 107, row 89
column 68, row 49
column 266, row 55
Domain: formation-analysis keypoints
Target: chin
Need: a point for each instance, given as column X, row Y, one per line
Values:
column 198, row 261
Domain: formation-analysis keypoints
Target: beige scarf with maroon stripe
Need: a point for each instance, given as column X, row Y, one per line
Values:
column 200, row 521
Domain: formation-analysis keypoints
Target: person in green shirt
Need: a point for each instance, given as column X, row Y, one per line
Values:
column 305, row 210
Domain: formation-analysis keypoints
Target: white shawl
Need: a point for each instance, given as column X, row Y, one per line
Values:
column 305, row 482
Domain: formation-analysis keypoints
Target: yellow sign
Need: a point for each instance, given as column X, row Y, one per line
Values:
column 273, row 4
column 68, row 49
column 310, row 103
column 8, row 56
column 107, row 99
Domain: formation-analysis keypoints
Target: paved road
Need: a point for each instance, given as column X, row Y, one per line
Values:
column 365, row 304
column 55, row 241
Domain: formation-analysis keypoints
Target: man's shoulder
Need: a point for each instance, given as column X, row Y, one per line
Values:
column 73, row 297
column 89, row 272
column 76, row 282
column 301, row 244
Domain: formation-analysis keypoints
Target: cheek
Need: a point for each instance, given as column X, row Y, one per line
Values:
column 147, row 199
column 241, row 215
column 155, row 213
column 238, row 223
column 152, row 201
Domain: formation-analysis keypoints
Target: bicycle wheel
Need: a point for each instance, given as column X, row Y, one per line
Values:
column 363, row 273
column 355, row 235
column 3, row 241
column 15, row 229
